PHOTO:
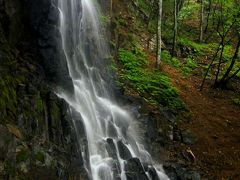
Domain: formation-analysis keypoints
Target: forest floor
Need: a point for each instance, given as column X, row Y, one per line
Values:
column 215, row 119
column 216, row 122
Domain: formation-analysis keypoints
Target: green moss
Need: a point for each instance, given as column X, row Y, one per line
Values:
column 8, row 97
column 153, row 85
column 39, row 156
column 236, row 101
column 104, row 20
column 54, row 110
column 121, row 21
column 22, row 156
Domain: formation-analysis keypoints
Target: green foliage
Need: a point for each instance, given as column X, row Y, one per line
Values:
column 198, row 48
column 144, row 5
column 121, row 21
column 168, row 59
column 188, row 10
column 104, row 20
column 189, row 66
column 186, row 67
column 153, row 85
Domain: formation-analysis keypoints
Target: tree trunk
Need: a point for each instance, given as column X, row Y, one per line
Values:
column 159, row 34
column 226, row 78
column 208, row 15
column 175, row 28
column 111, row 7
column 201, row 21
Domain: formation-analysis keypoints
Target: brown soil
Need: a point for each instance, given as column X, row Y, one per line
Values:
column 216, row 122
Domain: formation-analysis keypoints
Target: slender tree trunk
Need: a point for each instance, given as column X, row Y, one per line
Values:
column 209, row 67
column 208, row 15
column 220, row 62
column 175, row 28
column 111, row 7
column 225, row 77
column 201, row 21
column 159, row 33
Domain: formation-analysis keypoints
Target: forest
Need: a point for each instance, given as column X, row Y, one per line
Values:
column 183, row 56
column 119, row 89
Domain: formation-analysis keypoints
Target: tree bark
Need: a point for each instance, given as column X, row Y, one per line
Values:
column 175, row 28
column 201, row 21
column 159, row 34
column 226, row 77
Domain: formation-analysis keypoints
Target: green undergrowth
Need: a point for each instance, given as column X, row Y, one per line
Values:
column 154, row 86
column 187, row 12
column 185, row 65
column 144, row 6
column 197, row 48
column 168, row 59
column 189, row 65
column 199, row 51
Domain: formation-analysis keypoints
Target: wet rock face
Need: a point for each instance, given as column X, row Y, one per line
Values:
column 32, row 26
column 37, row 137
column 134, row 170
column 123, row 150
column 44, row 22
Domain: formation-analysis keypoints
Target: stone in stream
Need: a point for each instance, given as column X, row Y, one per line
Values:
column 112, row 151
column 153, row 173
column 134, row 170
column 124, row 152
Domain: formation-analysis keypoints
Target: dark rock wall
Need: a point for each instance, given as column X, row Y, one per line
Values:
column 33, row 26
column 43, row 18
column 37, row 138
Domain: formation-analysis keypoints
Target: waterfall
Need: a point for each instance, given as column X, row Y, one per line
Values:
column 106, row 135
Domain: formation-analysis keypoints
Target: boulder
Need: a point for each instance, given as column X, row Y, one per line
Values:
column 134, row 170
column 123, row 150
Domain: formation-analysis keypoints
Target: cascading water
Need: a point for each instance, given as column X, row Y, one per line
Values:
column 111, row 148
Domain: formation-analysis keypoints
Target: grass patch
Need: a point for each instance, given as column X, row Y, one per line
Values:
column 154, row 86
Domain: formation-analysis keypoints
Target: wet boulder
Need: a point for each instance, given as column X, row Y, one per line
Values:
column 111, row 149
column 134, row 170
column 153, row 173
column 124, row 152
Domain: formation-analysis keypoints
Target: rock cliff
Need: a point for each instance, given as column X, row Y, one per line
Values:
column 37, row 138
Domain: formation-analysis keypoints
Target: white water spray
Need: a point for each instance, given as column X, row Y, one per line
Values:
column 110, row 136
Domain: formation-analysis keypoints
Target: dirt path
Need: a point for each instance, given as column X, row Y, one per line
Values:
column 216, row 122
